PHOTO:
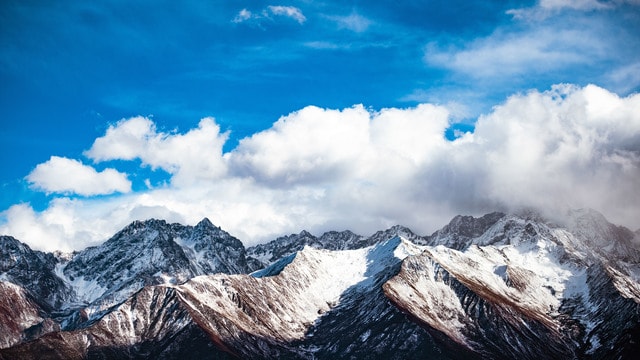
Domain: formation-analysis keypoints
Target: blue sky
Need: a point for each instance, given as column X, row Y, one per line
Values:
column 72, row 70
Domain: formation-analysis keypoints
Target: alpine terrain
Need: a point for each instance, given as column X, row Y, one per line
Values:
column 500, row 286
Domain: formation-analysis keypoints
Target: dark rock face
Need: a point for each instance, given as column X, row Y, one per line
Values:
column 495, row 287
column 79, row 290
column 462, row 229
column 34, row 271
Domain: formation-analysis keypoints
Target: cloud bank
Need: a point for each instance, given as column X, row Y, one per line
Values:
column 363, row 169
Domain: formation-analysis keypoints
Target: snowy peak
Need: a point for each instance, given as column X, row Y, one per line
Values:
column 205, row 223
column 461, row 230
column 148, row 253
column 264, row 315
column 212, row 250
column 33, row 270
column 331, row 240
column 396, row 230
column 609, row 240
column 496, row 286
column 520, row 283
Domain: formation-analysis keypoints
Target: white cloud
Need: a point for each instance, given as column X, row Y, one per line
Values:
column 546, row 8
column 359, row 169
column 572, row 4
column 65, row 225
column 566, row 147
column 243, row 15
column 354, row 22
column 503, row 56
column 313, row 145
column 324, row 45
column 268, row 13
column 190, row 158
column 288, row 11
column 68, row 176
column 625, row 78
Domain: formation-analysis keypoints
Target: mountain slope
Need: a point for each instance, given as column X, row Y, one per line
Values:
column 284, row 246
column 149, row 253
column 21, row 318
column 34, row 271
column 497, row 286
column 520, row 283
column 153, row 323
column 294, row 314
column 302, row 312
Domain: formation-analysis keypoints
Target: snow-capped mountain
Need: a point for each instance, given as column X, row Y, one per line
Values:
column 323, row 303
column 498, row 286
column 332, row 240
column 79, row 288
column 149, row 253
column 520, row 282
column 34, row 271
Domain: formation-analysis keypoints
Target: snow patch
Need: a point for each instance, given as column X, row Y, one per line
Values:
column 87, row 291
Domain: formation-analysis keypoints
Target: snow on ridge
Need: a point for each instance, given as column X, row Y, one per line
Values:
column 86, row 291
column 312, row 282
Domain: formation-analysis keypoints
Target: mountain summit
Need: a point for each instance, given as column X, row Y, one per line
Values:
column 497, row 286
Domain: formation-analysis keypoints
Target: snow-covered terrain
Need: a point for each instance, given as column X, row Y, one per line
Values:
column 496, row 286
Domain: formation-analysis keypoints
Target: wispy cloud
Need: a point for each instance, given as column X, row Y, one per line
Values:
column 354, row 22
column 269, row 13
column 546, row 8
column 506, row 55
column 243, row 15
column 357, row 168
column 625, row 78
column 288, row 11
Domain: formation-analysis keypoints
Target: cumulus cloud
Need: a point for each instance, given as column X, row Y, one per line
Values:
column 316, row 145
column 362, row 169
column 69, row 176
column 189, row 157
column 567, row 147
column 65, row 225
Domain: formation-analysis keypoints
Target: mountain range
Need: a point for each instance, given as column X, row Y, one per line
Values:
column 500, row 286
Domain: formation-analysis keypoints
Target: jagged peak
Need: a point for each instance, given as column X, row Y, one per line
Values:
column 469, row 226
column 383, row 235
column 9, row 242
column 206, row 223
column 8, row 239
column 305, row 233
column 346, row 232
column 138, row 225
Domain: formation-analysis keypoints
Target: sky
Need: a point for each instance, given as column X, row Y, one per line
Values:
column 270, row 117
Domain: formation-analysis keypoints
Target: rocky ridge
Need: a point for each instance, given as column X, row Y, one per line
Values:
column 490, row 287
